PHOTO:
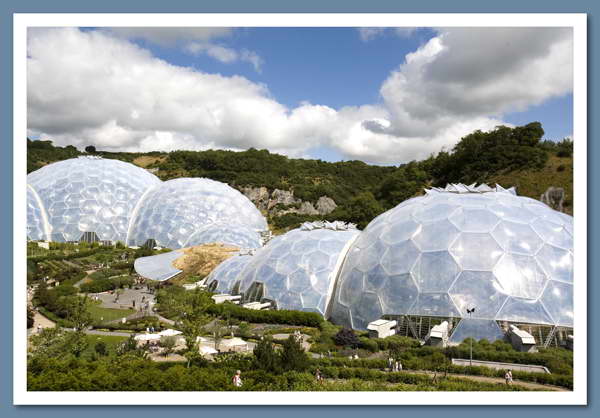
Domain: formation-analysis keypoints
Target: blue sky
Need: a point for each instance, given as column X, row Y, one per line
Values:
column 320, row 86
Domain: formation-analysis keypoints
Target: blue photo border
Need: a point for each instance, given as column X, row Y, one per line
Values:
column 8, row 7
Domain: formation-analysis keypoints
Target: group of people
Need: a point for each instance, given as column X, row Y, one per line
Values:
column 394, row 365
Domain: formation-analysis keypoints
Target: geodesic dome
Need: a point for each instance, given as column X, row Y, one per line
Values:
column 223, row 278
column 178, row 212
column 297, row 269
column 86, row 194
column 457, row 248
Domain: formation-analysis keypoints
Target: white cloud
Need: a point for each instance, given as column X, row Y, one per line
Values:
column 367, row 34
column 224, row 54
column 89, row 88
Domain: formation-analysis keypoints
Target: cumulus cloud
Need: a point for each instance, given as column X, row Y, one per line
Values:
column 90, row 88
column 224, row 54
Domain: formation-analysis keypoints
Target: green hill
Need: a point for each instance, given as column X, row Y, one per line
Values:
column 507, row 156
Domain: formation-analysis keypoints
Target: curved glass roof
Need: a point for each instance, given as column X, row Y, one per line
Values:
column 37, row 224
column 158, row 267
column 89, row 194
column 457, row 248
column 226, row 274
column 297, row 269
column 177, row 213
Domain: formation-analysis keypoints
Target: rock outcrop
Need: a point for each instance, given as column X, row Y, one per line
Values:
column 280, row 202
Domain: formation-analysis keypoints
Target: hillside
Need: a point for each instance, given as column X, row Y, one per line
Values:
column 507, row 156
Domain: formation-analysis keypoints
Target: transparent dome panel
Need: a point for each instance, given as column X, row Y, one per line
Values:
column 479, row 290
column 478, row 329
column 558, row 301
column 226, row 274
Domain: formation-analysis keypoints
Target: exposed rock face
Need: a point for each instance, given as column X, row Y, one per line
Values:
column 281, row 202
column 325, row 205
column 554, row 197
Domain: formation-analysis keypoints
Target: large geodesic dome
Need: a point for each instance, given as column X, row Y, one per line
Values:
column 224, row 277
column 179, row 212
column 85, row 194
column 297, row 270
column 463, row 247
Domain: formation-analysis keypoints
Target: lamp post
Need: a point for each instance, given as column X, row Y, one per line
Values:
column 470, row 311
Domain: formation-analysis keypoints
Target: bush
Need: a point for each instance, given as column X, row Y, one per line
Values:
column 346, row 338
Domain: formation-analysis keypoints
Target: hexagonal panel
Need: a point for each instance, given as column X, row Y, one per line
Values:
column 558, row 301
column 524, row 310
column 474, row 220
column 479, row 329
column 556, row 262
column 398, row 294
column 436, row 236
column 435, row 271
column 368, row 309
column 434, row 304
column 475, row 251
column 399, row 258
column 517, row 238
column 520, row 276
column 553, row 234
column 435, row 212
column 351, row 287
column 479, row 290
column 400, row 231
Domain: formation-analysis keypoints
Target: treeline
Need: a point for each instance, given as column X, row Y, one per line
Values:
column 362, row 191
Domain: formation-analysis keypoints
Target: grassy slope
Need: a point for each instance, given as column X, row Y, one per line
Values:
column 533, row 183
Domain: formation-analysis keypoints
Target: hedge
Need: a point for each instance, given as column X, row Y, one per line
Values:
column 309, row 319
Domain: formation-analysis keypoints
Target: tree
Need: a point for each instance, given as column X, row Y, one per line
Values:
column 90, row 149
column 168, row 344
column 77, row 312
column 30, row 315
column 362, row 209
column 293, row 356
column 218, row 329
column 346, row 338
column 100, row 348
column 265, row 356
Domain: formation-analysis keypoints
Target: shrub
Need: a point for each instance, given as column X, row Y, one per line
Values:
column 309, row 319
column 346, row 338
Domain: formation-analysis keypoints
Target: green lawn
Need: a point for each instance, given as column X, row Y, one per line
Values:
column 108, row 314
column 111, row 343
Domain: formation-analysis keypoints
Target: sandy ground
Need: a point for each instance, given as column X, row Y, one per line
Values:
column 202, row 259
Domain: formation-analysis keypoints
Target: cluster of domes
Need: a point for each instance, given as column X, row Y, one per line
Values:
column 437, row 255
column 118, row 201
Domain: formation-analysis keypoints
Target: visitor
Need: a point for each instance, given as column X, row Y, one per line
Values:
column 319, row 376
column 398, row 366
column 508, row 377
column 39, row 329
column 390, row 363
column 237, row 379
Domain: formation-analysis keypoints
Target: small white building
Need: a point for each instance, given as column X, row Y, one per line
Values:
column 382, row 328
column 257, row 306
column 225, row 297
column 438, row 335
column 521, row 340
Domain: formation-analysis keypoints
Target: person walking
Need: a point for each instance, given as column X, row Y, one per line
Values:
column 398, row 366
column 390, row 363
column 319, row 376
column 237, row 379
column 508, row 377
